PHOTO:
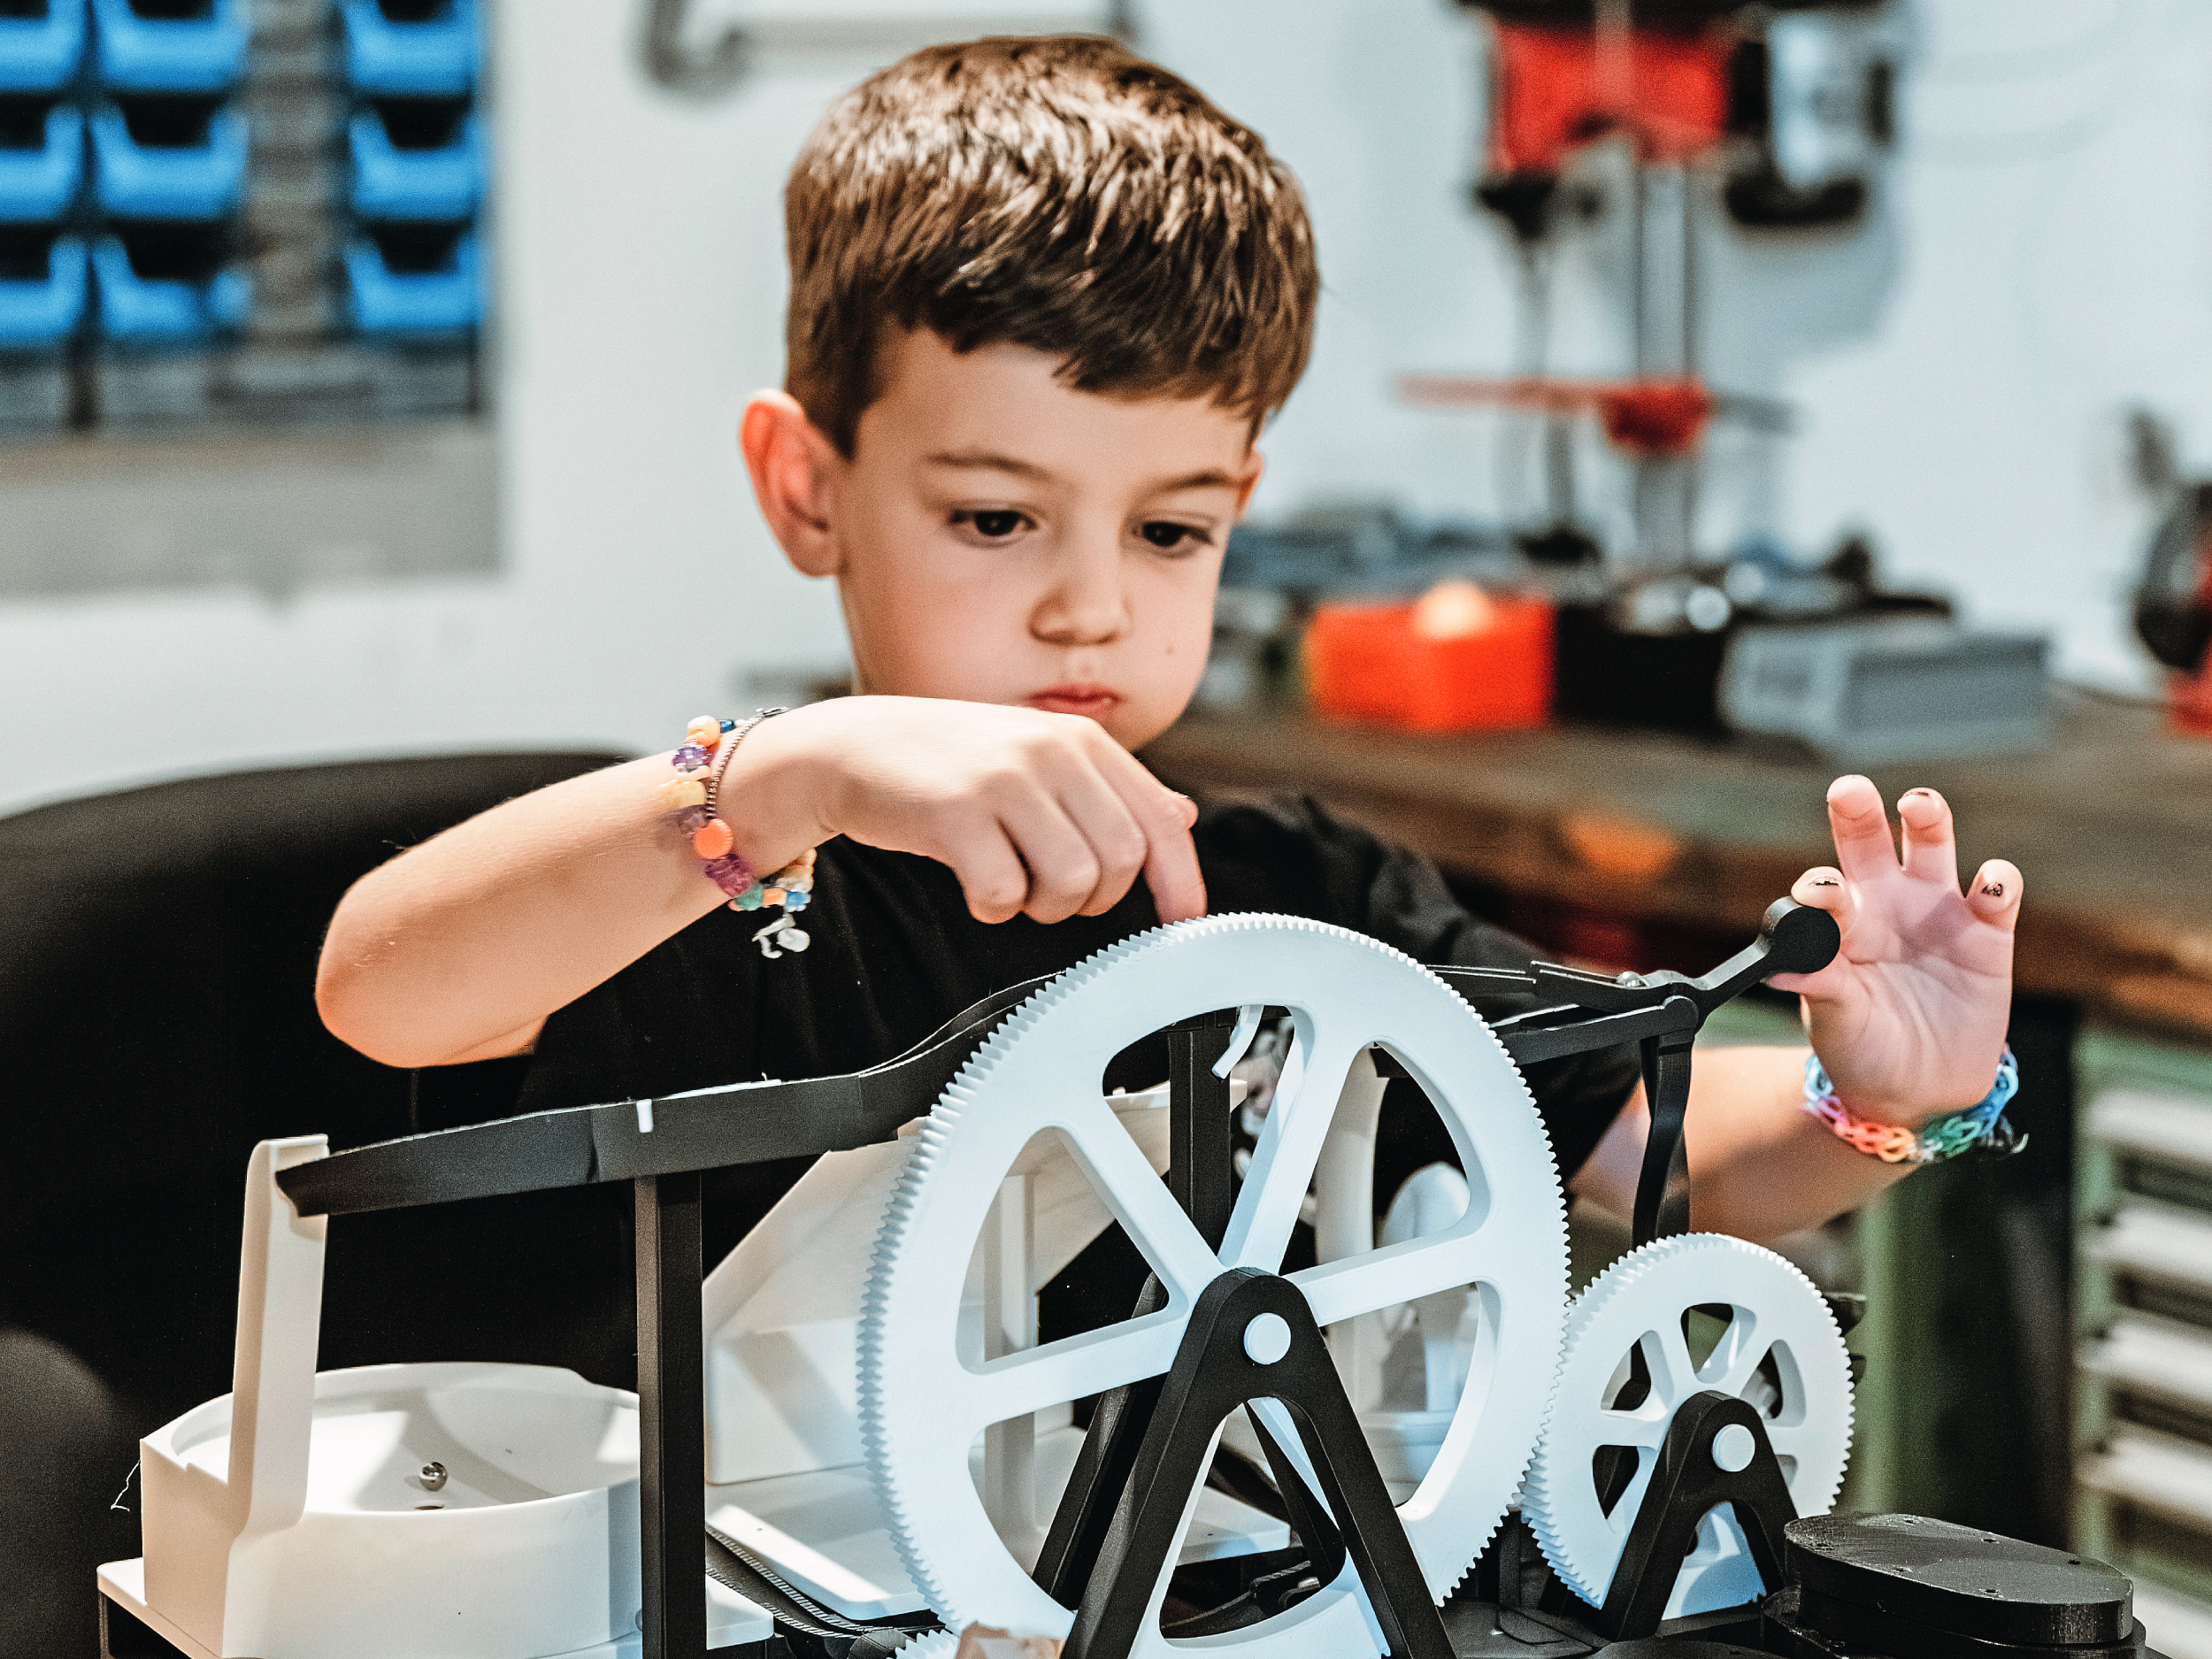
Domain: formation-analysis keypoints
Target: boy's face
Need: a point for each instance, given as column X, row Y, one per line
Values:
column 999, row 537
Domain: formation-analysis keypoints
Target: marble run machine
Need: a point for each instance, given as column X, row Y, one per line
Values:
column 1326, row 1428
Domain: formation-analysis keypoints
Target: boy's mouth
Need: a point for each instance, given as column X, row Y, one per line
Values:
column 1095, row 701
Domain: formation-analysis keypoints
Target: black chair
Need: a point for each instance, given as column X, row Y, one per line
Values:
column 156, row 1020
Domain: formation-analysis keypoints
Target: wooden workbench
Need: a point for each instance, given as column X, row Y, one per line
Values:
column 2112, row 825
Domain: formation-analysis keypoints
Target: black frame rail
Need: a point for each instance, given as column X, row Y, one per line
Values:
column 662, row 1146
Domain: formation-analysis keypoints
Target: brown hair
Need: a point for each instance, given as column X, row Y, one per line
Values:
column 1058, row 193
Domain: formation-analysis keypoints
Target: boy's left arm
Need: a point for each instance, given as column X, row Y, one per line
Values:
column 1908, row 1021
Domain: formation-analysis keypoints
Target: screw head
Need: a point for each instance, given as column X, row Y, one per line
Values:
column 1267, row 1338
column 1733, row 1447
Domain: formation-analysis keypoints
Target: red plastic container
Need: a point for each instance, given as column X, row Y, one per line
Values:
column 1370, row 666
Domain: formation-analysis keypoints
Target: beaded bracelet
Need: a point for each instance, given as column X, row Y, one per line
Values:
column 1980, row 1128
column 691, row 795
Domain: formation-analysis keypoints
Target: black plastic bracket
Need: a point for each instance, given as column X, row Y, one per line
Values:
column 672, row 1461
column 1687, row 1484
column 1214, row 1375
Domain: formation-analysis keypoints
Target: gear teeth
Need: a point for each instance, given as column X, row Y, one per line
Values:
column 906, row 1526
column 1550, row 1492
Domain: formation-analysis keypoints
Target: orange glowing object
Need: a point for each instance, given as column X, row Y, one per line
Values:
column 1453, row 669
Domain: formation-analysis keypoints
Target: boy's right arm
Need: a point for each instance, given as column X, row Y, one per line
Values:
column 460, row 949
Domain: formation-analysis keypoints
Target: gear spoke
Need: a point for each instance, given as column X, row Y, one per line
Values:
column 1283, row 1162
column 1067, row 1370
column 1673, row 1375
column 1732, row 1362
column 1643, row 1430
column 1381, row 1279
column 1157, row 1224
column 1788, row 1440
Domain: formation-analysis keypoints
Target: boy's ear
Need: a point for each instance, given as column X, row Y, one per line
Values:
column 1248, row 480
column 791, row 464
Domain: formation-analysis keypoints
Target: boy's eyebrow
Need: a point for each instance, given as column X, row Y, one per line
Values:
column 977, row 460
column 980, row 460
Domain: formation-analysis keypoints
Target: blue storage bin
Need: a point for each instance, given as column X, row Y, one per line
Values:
column 39, row 184
column 39, row 313
column 435, row 58
column 159, row 310
column 40, row 54
column 198, row 182
column 132, row 53
column 389, row 302
column 389, row 182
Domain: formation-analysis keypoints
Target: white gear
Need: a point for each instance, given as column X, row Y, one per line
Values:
column 922, row 1406
column 1640, row 1302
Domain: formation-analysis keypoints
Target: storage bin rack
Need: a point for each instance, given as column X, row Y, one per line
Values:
column 2142, row 1466
column 249, row 211
column 43, row 284
column 415, row 174
column 169, row 147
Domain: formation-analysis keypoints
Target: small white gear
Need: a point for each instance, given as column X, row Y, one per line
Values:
column 1782, row 1351
column 922, row 1406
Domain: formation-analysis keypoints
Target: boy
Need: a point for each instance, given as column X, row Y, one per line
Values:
column 1043, row 295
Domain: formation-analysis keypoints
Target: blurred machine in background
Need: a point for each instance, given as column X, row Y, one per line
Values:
column 1671, row 114
column 257, row 210
column 2173, row 599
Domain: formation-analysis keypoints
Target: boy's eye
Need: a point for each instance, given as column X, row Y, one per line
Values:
column 993, row 523
column 1170, row 537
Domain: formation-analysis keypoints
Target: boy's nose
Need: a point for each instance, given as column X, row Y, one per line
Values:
column 1085, row 604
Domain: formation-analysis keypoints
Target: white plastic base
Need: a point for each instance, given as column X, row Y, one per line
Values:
column 849, row 1563
column 731, row 1621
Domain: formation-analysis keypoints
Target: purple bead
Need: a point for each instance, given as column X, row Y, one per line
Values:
column 692, row 819
column 729, row 873
column 690, row 755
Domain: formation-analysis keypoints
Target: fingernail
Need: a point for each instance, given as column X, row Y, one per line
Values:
column 1994, row 889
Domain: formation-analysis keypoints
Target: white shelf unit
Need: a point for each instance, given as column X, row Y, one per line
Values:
column 2143, row 1449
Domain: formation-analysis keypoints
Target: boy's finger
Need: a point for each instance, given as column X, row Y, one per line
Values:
column 992, row 875
column 1064, row 872
column 1824, row 888
column 1994, row 894
column 1170, row 859
column 1861, row 827
column 1930, row 847
column 1170, row 870
column 1116, row 841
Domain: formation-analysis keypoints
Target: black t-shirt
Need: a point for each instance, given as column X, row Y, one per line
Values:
column 895, row 954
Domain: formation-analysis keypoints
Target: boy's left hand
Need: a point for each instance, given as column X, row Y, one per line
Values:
column 1910, row 1016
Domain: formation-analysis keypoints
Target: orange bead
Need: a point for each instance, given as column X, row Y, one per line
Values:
column 712, row 839
column 772, row 895
column 682, row 792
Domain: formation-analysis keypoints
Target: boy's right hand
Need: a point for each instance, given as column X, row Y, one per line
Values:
column 1038, row 815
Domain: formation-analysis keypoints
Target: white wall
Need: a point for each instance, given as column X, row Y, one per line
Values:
column 2038, row 262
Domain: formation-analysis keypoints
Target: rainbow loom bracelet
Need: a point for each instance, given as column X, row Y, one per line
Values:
column 1979, row 1127
column 690, row 795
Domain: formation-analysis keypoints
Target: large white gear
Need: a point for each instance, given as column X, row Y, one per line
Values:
column 921, row 1406
column 1639, row 1301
